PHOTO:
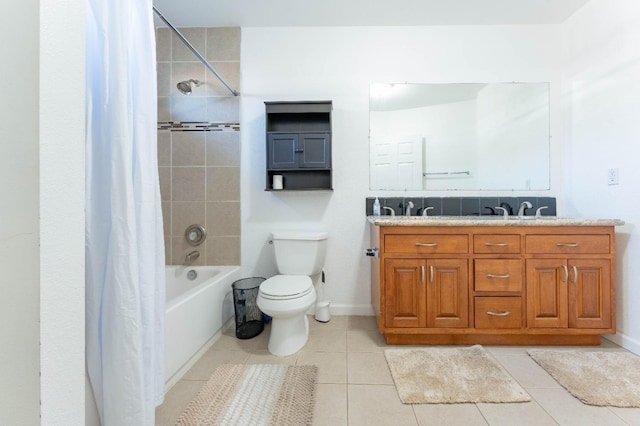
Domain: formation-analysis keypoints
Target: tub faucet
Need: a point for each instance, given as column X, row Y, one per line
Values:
column 191, row 257
column 407, row 211
column 523, row 206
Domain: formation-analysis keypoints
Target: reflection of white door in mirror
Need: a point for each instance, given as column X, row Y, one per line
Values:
column 396, row 162
column 479, row 136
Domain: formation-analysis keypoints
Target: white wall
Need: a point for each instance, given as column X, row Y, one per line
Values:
column 19, row 228
column 62, row 137
column 41, row 212
column 601, row 89
column 339, row 64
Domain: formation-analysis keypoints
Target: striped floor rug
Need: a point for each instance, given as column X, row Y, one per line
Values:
column 260, row 394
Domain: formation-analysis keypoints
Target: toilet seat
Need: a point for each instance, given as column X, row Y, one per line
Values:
column 286, row 287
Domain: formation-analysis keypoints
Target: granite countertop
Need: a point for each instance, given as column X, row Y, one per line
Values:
column 489, row 221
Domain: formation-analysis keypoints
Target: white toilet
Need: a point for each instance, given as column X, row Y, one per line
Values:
column 287, row 297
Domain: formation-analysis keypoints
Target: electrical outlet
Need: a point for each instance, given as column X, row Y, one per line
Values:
column 612, row 177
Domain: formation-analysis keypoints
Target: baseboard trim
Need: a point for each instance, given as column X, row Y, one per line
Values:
column 625, row 341
column 363, row 310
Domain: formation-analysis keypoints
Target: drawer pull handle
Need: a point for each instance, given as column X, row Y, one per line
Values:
column 499, row 314
column 498, row 276
column 496, row 244
column 567, row 244
column 427, row 244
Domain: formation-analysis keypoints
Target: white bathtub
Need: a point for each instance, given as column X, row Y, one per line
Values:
column 196, row 312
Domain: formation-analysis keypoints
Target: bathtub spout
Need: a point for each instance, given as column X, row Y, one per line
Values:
column 190, row 258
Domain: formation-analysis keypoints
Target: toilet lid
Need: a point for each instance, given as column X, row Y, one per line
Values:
column 286, row 287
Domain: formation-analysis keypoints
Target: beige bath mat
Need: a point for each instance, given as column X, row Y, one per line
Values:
column 261, row 394
column 603, row 378
column 451, row 375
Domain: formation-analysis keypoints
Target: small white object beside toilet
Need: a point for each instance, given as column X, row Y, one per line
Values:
column 287, row 297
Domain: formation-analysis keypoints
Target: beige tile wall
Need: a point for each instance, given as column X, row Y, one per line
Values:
column 200, row 170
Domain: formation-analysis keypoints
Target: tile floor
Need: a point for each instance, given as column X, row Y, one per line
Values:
column 355, row 386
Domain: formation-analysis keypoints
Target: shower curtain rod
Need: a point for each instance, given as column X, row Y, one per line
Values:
column 193, row 49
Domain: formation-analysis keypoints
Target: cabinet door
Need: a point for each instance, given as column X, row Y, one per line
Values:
column 447, row 293
column 281, row 149
column 589, row 293
column 315, row 150
column 547, row 293
column 404, row 292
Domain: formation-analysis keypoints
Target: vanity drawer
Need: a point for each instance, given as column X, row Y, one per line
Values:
column 497, row 243
column 552, row 244
column 499, row 275
column 426, row 244
column 498, row 312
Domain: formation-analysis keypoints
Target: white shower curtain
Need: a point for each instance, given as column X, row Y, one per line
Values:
column 125, row 287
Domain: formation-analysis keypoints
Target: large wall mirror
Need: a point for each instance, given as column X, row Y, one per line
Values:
column 459, row 136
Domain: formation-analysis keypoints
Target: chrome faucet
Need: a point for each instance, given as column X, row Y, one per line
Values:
column 425, row 211
column 539, row 211
column 190, row 258
column 523, row 206
column 393, row 213
column 505, row 212
column 407, row 211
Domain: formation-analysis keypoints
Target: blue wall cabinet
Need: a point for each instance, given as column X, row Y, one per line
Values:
column 299, row 144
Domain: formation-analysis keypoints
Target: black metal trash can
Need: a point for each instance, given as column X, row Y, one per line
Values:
column 249, row 318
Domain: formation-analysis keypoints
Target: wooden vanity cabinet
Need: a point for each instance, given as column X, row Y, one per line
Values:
column 574, row 293
column 494, row 285
column 426, row 293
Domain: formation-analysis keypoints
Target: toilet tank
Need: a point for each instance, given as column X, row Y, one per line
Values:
column 300, row 252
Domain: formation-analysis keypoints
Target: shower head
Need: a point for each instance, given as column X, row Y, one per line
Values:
column 185, row 86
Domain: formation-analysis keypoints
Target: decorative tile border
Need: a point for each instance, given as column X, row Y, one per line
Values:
column 197, row 126
column 462, row 206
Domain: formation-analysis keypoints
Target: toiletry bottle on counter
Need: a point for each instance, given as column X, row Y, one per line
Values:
column 376, row 207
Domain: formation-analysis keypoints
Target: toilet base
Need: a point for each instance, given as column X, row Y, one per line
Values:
column 288, row 335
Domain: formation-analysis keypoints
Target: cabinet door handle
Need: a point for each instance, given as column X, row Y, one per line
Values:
column 566, row 274
column 298, row 150
column 496, row 244
column 575, row 274
column 427, row 244
column 567, row 244
column 423, row 275
column 499, row 314
column 498, row 276
column 431, row 273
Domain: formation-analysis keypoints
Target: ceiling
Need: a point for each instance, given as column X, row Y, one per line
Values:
column 327, row 13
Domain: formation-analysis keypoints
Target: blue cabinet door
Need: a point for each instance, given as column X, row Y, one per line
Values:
column 282, row 151
column 315, row 150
